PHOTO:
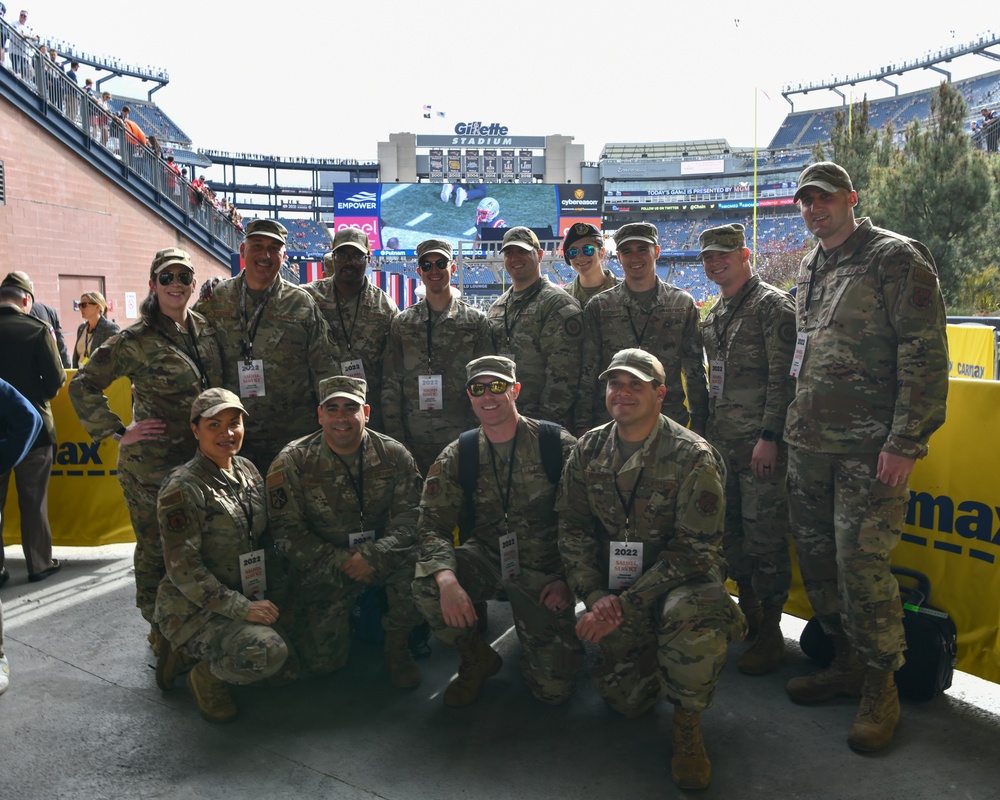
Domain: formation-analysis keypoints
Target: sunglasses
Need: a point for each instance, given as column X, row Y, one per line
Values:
column 83, row 303
column 346, row 255
column 587, row 250
column 167, row 278
column 441, row 263
column 478, row 389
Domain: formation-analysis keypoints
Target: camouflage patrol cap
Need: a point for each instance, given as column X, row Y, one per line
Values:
column 722, row 239
column 826, row 175
column 212, row 401
column 497, row 366
column 18, row 282
column 267, row 227
column 645, row 366
column 170, row 257
column 577, row 231
column 434, row 246
column 343, row 386
column 637, row 232
column 352, row 237
column 521, row 237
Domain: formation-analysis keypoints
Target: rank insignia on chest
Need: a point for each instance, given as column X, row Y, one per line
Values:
column 278, row 498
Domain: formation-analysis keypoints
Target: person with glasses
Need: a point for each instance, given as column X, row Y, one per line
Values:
column 583, row 249
column 95, row 329
column 509, row 547
column 170, row 355
column 429, row 345
column 640, row 532
column 358, row 312
column 343, row 510
column 276, row 346
column 539, row 327
column 647, row 313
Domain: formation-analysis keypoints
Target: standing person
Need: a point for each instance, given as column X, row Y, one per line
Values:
column 169, row 355
column 640, row 533
column 31, row 365
column 50, row 316
column 275, row 345
column 538, row 326
column 215, row 602
column 872, row 367
column 749, row 337
column 95, row 329
column 509, row 546
column 22, row 48
column 343, row 508
column 583, row 249
column 358, row 312
column 647, row 313
column 429, row 345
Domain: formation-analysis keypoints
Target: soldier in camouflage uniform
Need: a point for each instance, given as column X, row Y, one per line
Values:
column 872, row 366
column 211, row 604
column 344, row 512
column 510, row 547
column 276, row 346
column 539, row 327
column 429, row 345
column 643, row 312
column 640, row 531
column 749, row 338
column 170, row 355
column 358, row 312
column 592, row 276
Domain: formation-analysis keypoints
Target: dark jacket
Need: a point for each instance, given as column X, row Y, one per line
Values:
column 48, row 314
column 105, row 330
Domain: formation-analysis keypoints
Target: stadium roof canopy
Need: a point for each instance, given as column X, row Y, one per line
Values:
column 698, row 147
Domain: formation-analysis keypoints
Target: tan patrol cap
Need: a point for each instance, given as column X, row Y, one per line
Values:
column 826, row 175
column 352, row 237
column 497, row 366
column 637, row 231
column 434, row 246
column 521, row 237
column 267, row 227
column 722, row 239
column 170, row 257
column 212, row 401
column 343, row 386
column 645, row 366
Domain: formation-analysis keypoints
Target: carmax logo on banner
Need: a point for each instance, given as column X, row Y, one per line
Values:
column 79, row 455
column 362, row 201
column 974, row 520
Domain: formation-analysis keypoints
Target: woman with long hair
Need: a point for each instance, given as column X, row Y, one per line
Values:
column 96, row 328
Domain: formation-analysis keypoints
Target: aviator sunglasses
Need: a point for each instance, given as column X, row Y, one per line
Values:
column 587, row 250
column 167, row 278
column 441, row 263
column 478, row 389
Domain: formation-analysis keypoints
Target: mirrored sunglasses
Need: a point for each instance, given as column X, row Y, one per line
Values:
column 167, row 278
column 478, row 389
column 587, row 250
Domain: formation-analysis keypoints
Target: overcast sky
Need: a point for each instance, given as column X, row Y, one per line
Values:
column 300, row 78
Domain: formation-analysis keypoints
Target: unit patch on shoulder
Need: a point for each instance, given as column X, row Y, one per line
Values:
column 278, row 498
column 708, row 503
column 177, row 519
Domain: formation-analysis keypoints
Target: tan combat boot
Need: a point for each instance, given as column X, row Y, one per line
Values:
column 878, row 715
column 843, row 678
column 751, row 608
column 689, row 766
column 212, row 695
column 479, row 662
column 403, row 670
column 768, row 649
column 169, row 664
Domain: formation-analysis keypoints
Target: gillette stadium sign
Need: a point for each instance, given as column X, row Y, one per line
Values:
column 481, row 134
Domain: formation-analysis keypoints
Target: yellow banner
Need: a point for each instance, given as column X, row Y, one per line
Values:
column 972, row 350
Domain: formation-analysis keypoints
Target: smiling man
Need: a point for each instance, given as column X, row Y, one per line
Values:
column 343, row 509
column 647, row 313
column 749, row 338
column 871, row 359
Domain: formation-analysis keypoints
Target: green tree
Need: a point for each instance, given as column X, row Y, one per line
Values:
column 853, row 144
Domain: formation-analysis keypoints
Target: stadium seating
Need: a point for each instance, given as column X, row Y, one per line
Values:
column 152, row 120
column 306, row 236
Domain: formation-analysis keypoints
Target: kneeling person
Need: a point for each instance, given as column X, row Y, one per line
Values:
column 510, row 545
column 640, row 532
column 343, row 505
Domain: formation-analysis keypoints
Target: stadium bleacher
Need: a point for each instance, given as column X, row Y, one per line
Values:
column 306, row 237
column 152, row 119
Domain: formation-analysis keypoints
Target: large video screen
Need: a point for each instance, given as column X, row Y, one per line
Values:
column 398, row 216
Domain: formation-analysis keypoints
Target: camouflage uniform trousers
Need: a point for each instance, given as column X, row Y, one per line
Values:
column 240, row 652
column 845, row 523
column 677, row 651
column 756, row 538
column 321, row 631
column 551, row 652
column 140, row 497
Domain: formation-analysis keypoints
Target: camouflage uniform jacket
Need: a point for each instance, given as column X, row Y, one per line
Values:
column 542, row 331
column 314, row 506
column 614, row 320
column 875, row 374
column 575, row 290
column 360, row 328
column 531, row 514
column 294, row 342
column 678, row 512
column 204, row 526
column 753, row 333
column 459, row 335
column 166, row 376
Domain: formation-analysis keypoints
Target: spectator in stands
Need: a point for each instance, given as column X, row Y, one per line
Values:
column 22, row 50
column 72, row 97
column 991, row 129
column 171, row 175
column 53, row 88
column 583, row 249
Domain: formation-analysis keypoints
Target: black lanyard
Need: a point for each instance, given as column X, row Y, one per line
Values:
column 88, row 337
column 730, row 315
column 627, row 507
column 504, row 498
column 639, row 336
column 191, row 353
column 247, row 338
column 237, row 493
column 340, row 314
column 430, row 328
column 359, row 485
column 509, row 329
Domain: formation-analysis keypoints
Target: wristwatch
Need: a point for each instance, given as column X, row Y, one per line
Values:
column 768, row 436
column 118, row 434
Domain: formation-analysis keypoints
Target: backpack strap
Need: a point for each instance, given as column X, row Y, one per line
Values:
column 468, row 476
column 550, row 445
